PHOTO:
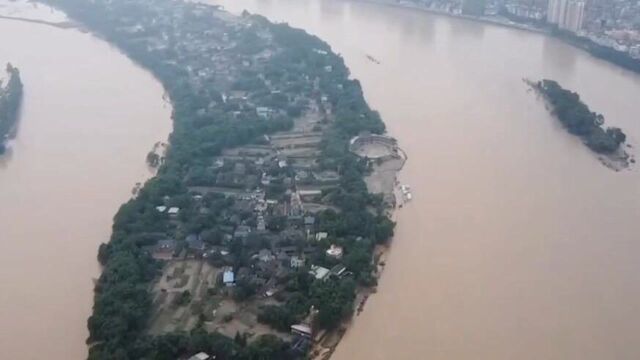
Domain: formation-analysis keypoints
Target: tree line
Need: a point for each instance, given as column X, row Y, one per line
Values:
column 576, row 117
column 10, row 100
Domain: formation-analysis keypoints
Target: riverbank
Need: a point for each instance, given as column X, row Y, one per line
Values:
column 10, row 101
column 79, row 148
column 499, row 185
column 493, row 20
column 605, row 53
column 60, row 25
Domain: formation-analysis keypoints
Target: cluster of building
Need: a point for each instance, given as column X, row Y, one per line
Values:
column 253, row 210
column 610, row 23
column 566, row 14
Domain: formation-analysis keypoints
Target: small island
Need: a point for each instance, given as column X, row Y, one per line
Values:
column 10, row 99
column 264, row 228
column 579, row 120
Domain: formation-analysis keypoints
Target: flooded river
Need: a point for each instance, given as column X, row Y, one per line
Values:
column 519, row 244
column 89, row 118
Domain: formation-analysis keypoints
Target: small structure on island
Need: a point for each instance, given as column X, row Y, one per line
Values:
column 202, row 356
column 335, row 251
column 173, row 211
column 338, row 270
column 297, row 261
column 309, row 194
column 164, row 249
column 319, row 272
column 264, row 112
column 374, row 146
column 228, row 278
column 195, row 243
column 302, row 330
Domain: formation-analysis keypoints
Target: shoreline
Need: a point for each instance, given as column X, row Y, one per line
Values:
column 481, row 19
column 59, row 25
column 600, row 52
column 329, row 101
column 616, row 160
column 380, row 255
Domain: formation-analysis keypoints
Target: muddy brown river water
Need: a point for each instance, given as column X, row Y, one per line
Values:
column 89, row 117
column 518, row 244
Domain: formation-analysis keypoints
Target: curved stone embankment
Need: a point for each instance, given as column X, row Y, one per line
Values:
column 387, row 159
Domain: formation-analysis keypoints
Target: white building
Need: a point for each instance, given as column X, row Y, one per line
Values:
column 319, row 272
column 567, row 14
column 574, row 16
column 335, row 251
column 173, row 211
column 201, row 356
column 297, row 261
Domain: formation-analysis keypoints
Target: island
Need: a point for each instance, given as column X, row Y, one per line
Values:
column 10, row 100
column 258, row 237
column 579, row 120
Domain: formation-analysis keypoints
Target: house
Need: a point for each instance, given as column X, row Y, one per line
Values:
column 297, row 261
column 337, row 270
column 261, row 226
column 321, row 236
column 164, row 249
column 173, row 211
column 301, row 330
column 202, row 356
column 194, row 243
column 161, row 209
column 264, row 112
column 228, row 278
column 319, row 272
column 309, row 194
column 335, row 251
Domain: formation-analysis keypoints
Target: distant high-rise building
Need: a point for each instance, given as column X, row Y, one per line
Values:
column 567, row 14
column 555, row 11
column 473, row 7
column 574, row 16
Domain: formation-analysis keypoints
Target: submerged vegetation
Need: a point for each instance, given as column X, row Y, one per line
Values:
column 235, row 81
column 579, row 120
column 10, row 100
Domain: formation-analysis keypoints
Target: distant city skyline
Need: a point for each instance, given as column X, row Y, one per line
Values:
column 611, row 23
column 567, row 14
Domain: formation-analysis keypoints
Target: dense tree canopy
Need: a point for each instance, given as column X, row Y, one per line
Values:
column 10, row 100
column 579, row 120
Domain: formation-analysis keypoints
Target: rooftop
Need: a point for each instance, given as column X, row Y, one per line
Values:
column 201, row 356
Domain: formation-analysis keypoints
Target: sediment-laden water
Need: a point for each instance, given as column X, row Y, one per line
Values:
column 89, row 117
column 519, row 243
